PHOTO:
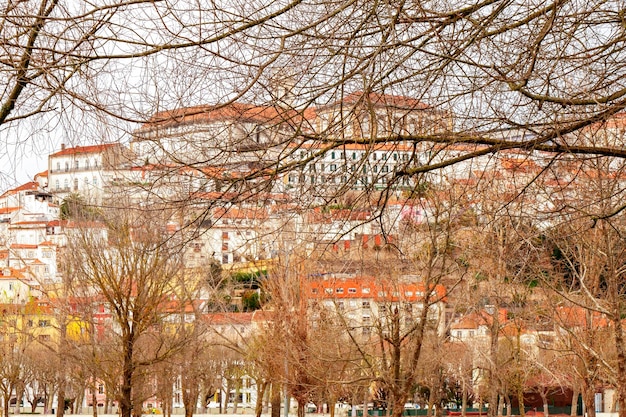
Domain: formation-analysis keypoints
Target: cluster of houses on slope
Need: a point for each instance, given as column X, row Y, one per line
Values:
column 210, row 152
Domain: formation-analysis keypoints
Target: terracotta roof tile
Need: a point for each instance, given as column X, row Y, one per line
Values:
column 85, row 149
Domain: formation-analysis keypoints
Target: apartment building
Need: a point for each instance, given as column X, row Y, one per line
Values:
column 85, row 170
column 366, row 303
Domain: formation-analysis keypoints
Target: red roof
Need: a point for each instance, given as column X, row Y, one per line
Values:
column 7, row 210
column 85, row 149
column 233, row 111
column 24, row 187
column 386, row 100
column 373, row 288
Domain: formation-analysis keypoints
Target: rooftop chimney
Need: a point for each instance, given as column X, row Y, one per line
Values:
column 63, row 146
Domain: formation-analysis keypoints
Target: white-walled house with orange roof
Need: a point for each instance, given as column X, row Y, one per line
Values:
column 85, row 169
column 17, row 287
column 226, row 135
column 365, row 301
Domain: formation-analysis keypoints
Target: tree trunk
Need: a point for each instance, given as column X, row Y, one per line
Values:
column 60, row 411
column 463, row 399
column 7, row 404
column 544, row 397
column 260, row 393
column 275, row 401
column 237, row 392
column 507, row 399
column 520, row 401
column 301, row 405
column 621, row 366
column 94, row 399
column 126, row 390
column 331, row 408
column 573, row 412
column 589, row 399
column 190, row 398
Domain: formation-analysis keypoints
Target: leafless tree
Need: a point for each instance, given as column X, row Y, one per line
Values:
column 127, row 262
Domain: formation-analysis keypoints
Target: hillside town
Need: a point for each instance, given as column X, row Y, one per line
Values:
column 281, row 232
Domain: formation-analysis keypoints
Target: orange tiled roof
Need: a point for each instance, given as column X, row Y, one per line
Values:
column 232, row 111
column 370, row 287
column 7, row 210
column 32, row 185
column 386, row 100
column 84, row 149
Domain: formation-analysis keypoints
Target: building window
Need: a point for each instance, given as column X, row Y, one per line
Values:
column 44, row 323
column 332, row 155
column 225, row 236
column 225, row 258
column 339, row 290
column 95, row 163
column 75, row 184
column 76, row 164
column 58, row 166
column 94, row 181
column 385, row 168
column 224, row 246
column 365, row 304
column 351, row 290
column 67, row 166
column 57, row 185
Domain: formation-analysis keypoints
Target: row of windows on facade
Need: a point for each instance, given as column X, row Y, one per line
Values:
column 86, row 165
column 374, row 156
column 66, row 183
column 323, row 179
column 366, row 305
column 367, row 290
column 350, row 168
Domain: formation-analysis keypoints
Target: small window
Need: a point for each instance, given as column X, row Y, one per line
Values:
column 332, row 155
column 351, row 290
column 339, row 290
column 328, row 290
column 313, row 290
column 365, row 304
column 365, row 290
